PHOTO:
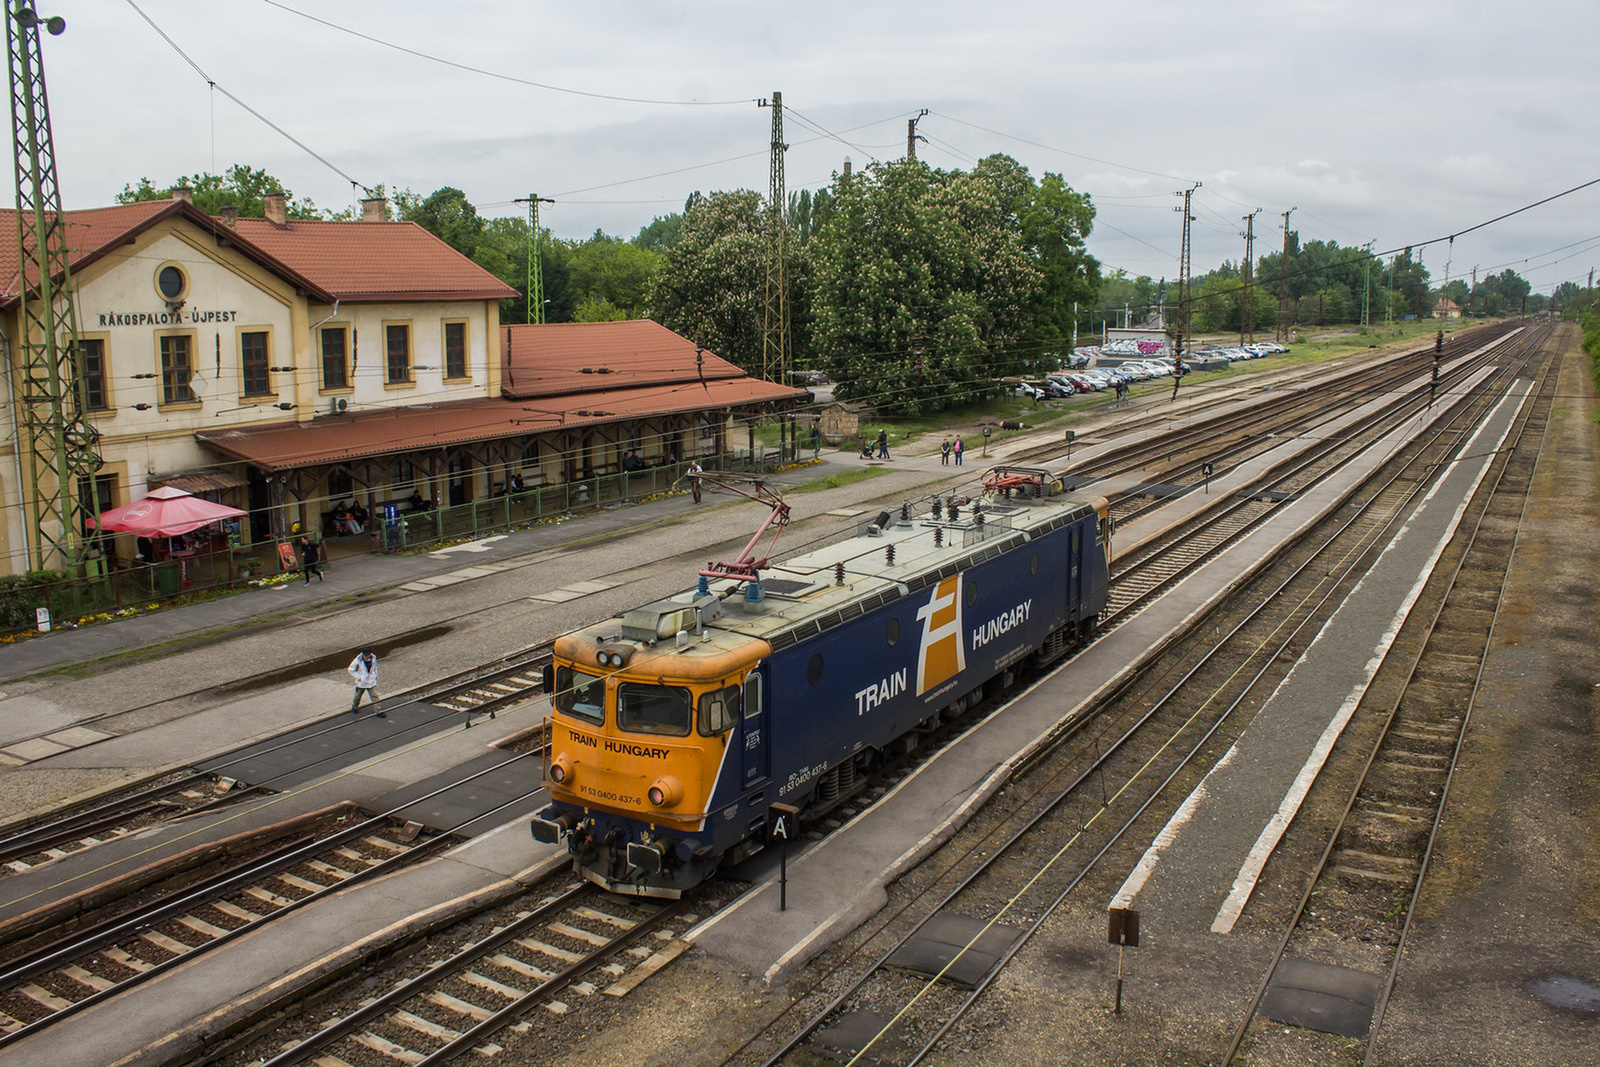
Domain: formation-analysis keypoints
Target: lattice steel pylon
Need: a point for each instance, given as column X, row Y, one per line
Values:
column 1185, row 301
column 535, row 261
column 60, row 444
column 775, row 317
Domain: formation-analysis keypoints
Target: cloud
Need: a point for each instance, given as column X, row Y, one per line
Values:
column 1398, row 121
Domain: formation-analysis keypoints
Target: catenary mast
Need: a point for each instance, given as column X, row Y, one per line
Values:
column 60, row 444
column 775, row 320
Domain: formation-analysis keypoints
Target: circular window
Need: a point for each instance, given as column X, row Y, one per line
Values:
column 894, row 631
column 171, row 282
column 814, row 668
column 1033, row 564
column 972, row 593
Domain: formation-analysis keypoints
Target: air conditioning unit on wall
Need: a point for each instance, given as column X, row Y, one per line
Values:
column 340, row 405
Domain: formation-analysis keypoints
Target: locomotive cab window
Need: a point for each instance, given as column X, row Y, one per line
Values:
column 653, row 709
column 719, row 710
column 752, row 696
column 581, row 695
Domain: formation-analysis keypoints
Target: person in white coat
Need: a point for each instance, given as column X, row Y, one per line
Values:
column 364, row 669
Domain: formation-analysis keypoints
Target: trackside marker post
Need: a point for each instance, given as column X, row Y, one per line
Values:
column 1124, row 934
column 783, row 821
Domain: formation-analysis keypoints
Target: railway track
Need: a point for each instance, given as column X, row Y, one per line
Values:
column 187, row 793
column 1190, row 474
column 482, row 692
column 521, row 967
column 933, row 957
column 1299, row 412
column 50, row 982
column 1369, row 875
column 1154, row 567
column 1250, row 431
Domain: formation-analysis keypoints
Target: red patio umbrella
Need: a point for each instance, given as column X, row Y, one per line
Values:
column 165, row 512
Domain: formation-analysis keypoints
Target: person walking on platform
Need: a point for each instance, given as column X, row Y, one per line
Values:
column 310, row 553
column 816, row 441
column 694, row 472
column 957, row 448
column 883, row 444
column 364, row 669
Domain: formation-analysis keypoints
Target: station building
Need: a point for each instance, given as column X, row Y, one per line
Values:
column 282, row 366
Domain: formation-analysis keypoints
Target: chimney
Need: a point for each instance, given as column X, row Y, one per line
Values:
column 375, row 209
column 276, row 209
column 230, row 216
column 184, row 193
column 846, row 168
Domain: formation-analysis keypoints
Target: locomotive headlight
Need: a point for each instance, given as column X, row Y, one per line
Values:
column 665, row 791
column 561, row 769
column 613, row 656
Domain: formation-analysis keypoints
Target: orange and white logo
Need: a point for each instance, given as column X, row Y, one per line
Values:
column 943, row 655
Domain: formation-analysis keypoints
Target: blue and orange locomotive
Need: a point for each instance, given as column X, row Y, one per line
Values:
column 678, row 725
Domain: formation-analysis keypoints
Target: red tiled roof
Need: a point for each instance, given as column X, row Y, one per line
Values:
column 373, row 261
column 572, row 357
column 90, row 234
column 350, row 261
column 337, row 438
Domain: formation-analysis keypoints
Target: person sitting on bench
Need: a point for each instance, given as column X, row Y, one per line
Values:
column 343, row 522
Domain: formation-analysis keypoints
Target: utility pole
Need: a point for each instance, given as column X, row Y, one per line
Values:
column 61, row 444
column 1185, row 310
column 912, row 137
column 535, row 261
column 1283, row 281
column 1366, row 288
column 1247, row 320
column 1449, row 256
column 1422, row 289
column 775, row 319
column 1473, row 292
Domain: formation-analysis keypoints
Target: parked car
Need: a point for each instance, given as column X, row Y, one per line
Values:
column 1042, row 390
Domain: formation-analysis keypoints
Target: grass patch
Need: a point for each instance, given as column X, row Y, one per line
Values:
column 1344, row 340
column 838, row 478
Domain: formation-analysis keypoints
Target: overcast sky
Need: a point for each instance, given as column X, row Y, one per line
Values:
column 1396, row 122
